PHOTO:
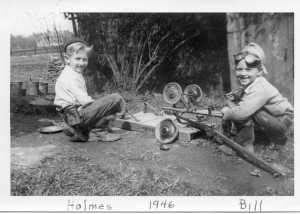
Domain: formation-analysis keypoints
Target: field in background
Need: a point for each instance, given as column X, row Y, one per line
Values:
column 34, row 59
column 23, row 68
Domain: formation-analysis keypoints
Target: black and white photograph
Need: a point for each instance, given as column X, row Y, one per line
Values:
column 141, row 108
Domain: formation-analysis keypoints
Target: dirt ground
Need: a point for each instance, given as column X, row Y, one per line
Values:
column 198, row 161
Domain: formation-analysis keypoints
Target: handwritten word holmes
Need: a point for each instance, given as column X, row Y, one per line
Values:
column 85, row 206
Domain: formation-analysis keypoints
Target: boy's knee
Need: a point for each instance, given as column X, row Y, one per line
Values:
column 122, row 105
column 116, row 97
column 243, row 123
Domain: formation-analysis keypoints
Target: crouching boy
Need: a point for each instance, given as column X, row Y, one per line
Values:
column 257, row 105
column 76, row 107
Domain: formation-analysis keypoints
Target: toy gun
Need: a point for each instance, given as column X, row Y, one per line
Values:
column 191, row 96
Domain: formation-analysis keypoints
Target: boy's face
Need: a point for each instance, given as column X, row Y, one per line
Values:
column 78, row 61
column 246, row 74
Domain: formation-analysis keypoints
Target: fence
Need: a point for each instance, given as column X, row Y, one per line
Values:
column 35, row 51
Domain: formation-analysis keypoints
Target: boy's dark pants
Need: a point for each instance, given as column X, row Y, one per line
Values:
column 271, row 129
column 101, row 111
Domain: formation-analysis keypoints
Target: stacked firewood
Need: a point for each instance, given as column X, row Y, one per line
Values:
column 54, row 68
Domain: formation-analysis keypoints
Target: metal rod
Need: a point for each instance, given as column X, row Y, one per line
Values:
column 214, row 113
column 136, row 101
column 153, row 109
column 137, row 120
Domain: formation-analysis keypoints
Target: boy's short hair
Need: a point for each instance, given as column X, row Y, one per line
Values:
column 75, row 45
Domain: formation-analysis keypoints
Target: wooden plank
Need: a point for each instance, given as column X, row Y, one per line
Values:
column 148, row 122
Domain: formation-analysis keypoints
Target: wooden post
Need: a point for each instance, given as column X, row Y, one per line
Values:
column 235, row 42
column 73, row 18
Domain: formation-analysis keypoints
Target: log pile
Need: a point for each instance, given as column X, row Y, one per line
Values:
column 54, row 68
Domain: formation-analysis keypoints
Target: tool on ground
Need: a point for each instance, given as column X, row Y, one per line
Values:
column 193, row 94
column 50, row 129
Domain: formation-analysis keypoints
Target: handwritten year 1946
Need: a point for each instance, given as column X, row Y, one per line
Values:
column 161, row 204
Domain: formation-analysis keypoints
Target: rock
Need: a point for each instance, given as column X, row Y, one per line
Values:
column 163, row 147
column 256, row 173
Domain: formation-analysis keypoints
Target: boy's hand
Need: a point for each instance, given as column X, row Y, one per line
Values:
column 230, row 96
column 224, row 110
column 235, row 95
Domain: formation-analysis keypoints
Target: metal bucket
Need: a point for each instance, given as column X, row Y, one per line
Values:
column 43, row 88
column 16, row 89
column 32, row 88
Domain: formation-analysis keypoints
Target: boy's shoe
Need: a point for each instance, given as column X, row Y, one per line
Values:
column 79, row 136
column 69, row 131
column 105, row 137
column 281, row 140
column 76, row 135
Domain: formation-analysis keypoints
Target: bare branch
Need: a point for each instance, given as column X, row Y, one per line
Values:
column 146, row 78
column 136, row 63
column 149, row 45
column 141, row 54
column 143, row 69
column 184, row 41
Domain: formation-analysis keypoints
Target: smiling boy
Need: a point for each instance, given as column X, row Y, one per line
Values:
column 79, row 110
column 257, row 105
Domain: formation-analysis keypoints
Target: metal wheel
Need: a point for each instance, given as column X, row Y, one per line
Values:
column 166, row 131
column 193, row 91
column 172, row 93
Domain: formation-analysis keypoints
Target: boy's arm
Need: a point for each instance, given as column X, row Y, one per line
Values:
column 80, row 93
column 235, row 95
column 248, row 105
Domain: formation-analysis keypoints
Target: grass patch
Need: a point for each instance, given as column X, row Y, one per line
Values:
column 71, row 173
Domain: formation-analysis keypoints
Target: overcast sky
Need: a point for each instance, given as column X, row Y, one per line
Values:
column 26, row 23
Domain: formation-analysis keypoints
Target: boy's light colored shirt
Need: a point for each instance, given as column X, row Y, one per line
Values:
column 70, row 88
column 260, row 94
